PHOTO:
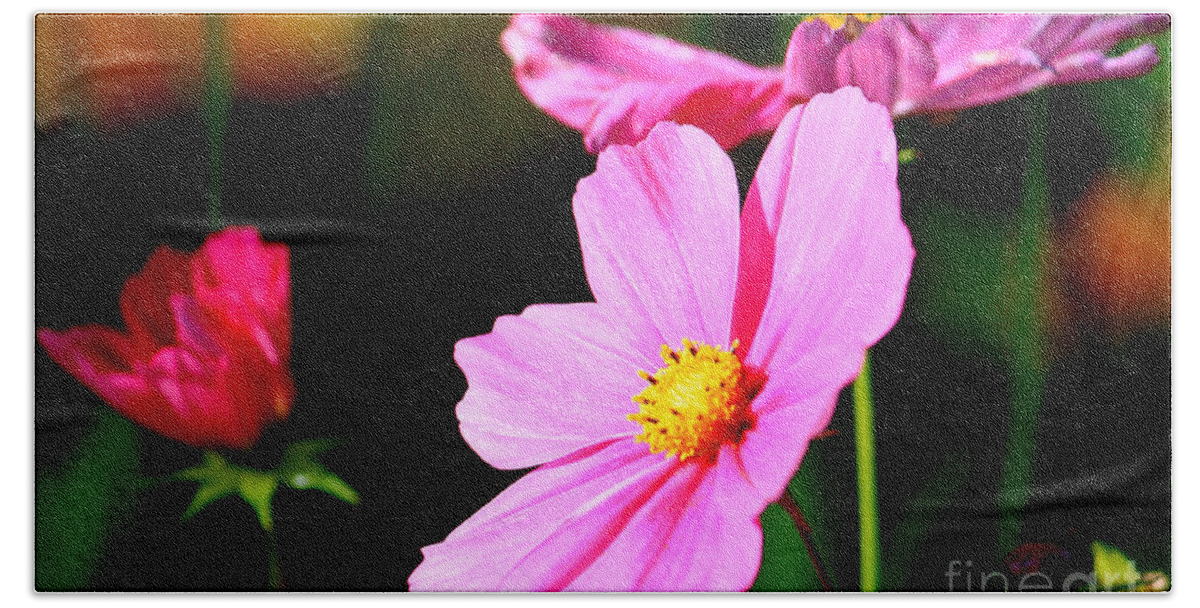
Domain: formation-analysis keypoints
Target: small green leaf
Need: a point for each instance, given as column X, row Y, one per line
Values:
column 257, row 488
column 301, row 471
column 332, row 484
column 1114, row 571
column 207, row 493
column 217, row 479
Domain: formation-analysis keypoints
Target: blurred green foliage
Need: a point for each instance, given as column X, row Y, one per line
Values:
column 1135, row 113
column 75, row 509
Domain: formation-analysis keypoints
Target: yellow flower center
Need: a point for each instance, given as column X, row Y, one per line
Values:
column 697, row 403
column 854, row 23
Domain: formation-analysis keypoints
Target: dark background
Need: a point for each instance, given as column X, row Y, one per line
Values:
column 386, row 280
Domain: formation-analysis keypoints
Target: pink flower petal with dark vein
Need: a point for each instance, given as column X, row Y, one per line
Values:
column 547, row 528
column 791, row 410
column 555, row 379
column 659, row 232
column 842, row 253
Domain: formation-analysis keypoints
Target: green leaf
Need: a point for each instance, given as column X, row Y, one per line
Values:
column 325, row 481
column 74, row 510
column 1114, row 571
column 218, row 479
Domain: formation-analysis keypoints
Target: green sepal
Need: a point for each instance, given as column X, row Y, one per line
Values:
column 298, row 469
column 257, row 488
column 301, row 471
column 217, row 480
column 1114, row 571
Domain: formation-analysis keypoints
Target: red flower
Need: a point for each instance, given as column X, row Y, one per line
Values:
column 205, row 356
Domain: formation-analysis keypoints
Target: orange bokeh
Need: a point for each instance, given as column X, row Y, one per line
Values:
column 115, row 69
column 1119, row 248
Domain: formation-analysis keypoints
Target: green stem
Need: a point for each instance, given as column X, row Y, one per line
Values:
column 274, row 574
column 868, row 504
column 1026, row 350
column 217, row 96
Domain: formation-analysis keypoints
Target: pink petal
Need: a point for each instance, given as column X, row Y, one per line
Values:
column 615, row 84
column 659, row 232
column 549, row 526
column 842, row 253
column 958, row 39
column 699, row 532
column 610, row 518
column 791, row 410
column 717, row 544
column 889, row 63
column 997, row 76
column 555, row 379
column 1085, row 67
column 246, row 284
column 811, row 63
column 102, row 358
column 145, row 298
column 986, row 58
column 1103, row 32
column 211, row 404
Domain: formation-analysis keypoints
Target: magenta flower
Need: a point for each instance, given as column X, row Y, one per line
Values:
column 666, row 415
column 614, row 84
column 204, row 358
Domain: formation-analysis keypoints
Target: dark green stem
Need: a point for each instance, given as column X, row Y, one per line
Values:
column 217, row 96
column 274, row 574
column 868, row 502
column 1026, row 349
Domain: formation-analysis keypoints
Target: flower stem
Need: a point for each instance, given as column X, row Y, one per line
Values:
column 217, row 95
column 274, row 574
column 806, row 536
column 868, row 508
column 1026, row 350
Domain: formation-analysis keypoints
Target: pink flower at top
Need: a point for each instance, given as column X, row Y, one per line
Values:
column 614, row 84
column 666, row 415
column 204, row 358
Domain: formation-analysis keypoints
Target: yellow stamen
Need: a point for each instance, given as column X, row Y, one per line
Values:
column 698, row 402
column 853, row 23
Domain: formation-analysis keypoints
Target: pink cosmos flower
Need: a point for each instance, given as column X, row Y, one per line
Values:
column 666, row 415
column 205, row 356
column 614, row 84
